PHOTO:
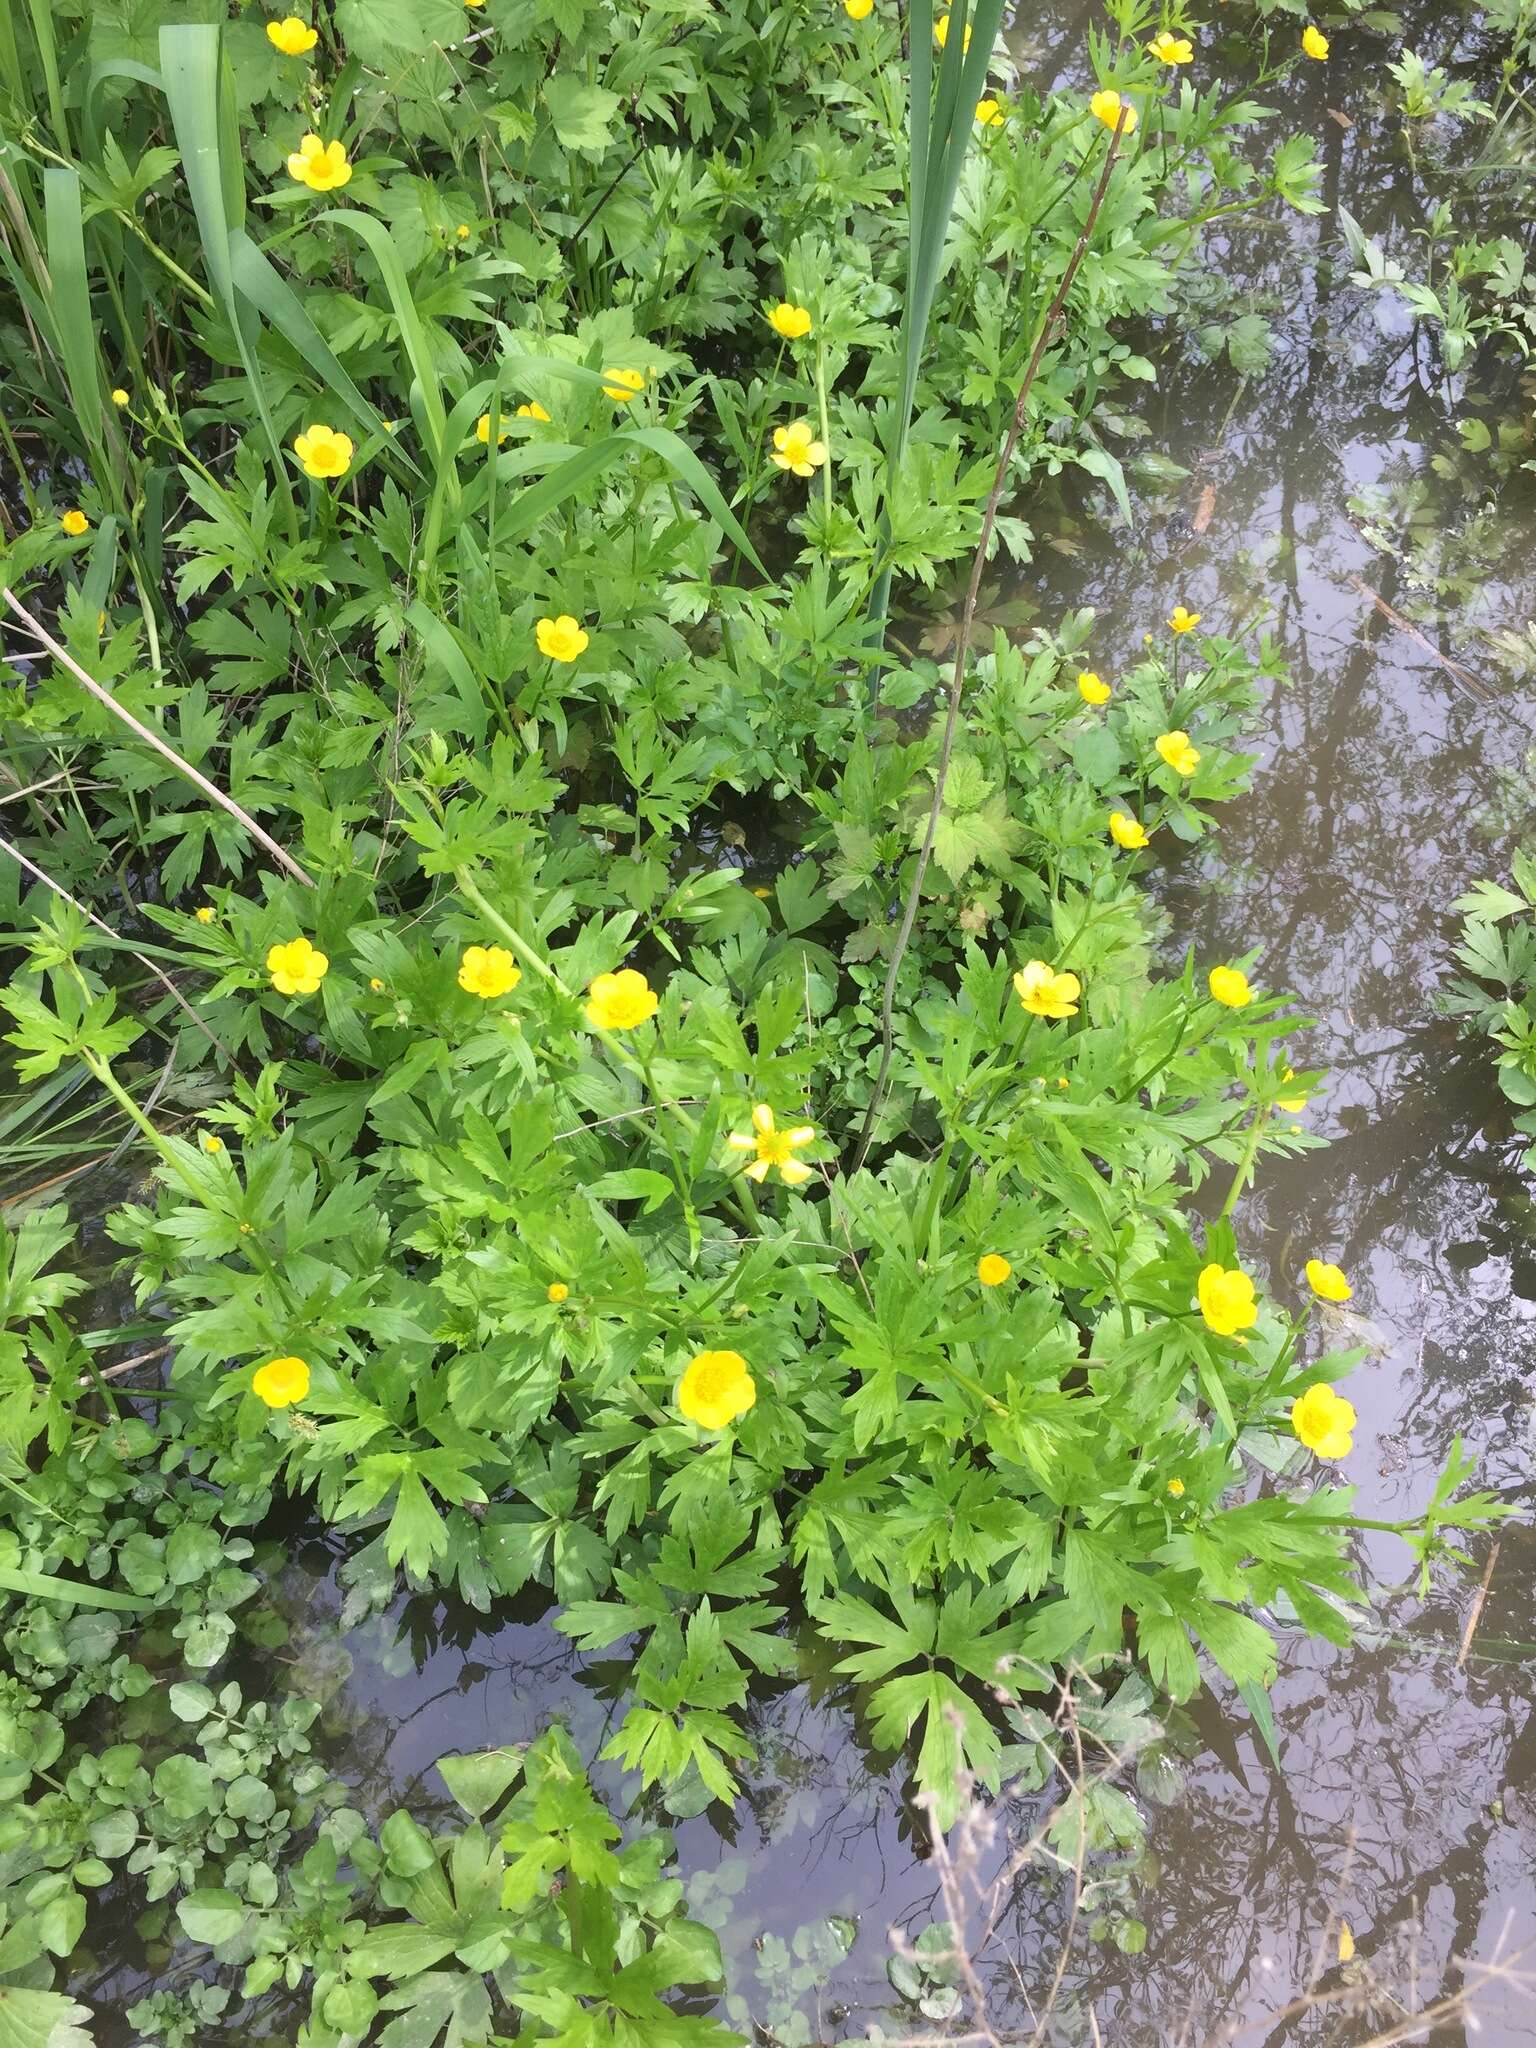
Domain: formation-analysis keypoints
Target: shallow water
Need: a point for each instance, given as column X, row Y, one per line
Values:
column 1407, row 1802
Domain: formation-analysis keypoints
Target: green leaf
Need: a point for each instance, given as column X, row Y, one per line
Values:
column 41, row 2019
column 213, row 1917
column 582, row 114
column 478, row 1782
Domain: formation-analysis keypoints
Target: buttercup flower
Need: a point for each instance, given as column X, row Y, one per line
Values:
column 1176, row 1488
column 1176, row 750
column 204, row 913
column 1315, row 43
column 120, row 397
column 1183, row 621
column 75, row 523
column 623, row 385
column 1127, row 831
column 1293, row 1105
column 533, row 411
column 557, row 1291
column 462, row 232
column 483, row 430
column 773, row 1148
column 1044, row 992
column 858, row 10
column 375, row 984
column 1324, row 1421
column 1226, row 1299
column 561, row 639
column 1229, row 985
column 281, row 1382
column 296, row 968
column 488, row 971
column 792, row 322
column 1105, row 106
column 1171, row 49
column 715, row 1389
column 212, row 1142
column 992, row 1269
column 1092, row 689
column 293, row 37
column 1327, row 1282
column 322, row 166
column 796, row 448
column 323, row 452
column 941, row 34
column 990, row 113
column 618, row 1002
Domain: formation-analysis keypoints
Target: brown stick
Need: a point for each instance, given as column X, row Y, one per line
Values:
column 103, row 696
column 1477, row 1608
column 1043, row 340
column 1464, row 676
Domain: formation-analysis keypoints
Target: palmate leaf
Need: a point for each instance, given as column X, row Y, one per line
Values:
column 957, row 1737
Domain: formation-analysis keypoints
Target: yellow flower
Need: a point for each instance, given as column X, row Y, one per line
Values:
column 488, row 971
column 462, row 232
column 858, row 10
column 618, row 1002
column 1171, row 49
column 1315, row 43
column 795, row 447
column 281, row 1382
column 1327, row 1282
column 204, row 913
column 120, row 396
column 557, row 1291
column 715, row 1389
column 1176, row 750
column 293, row 37
column 375, row 984
column 1127, row 831
column 533, row 411
column 75, row 523
column 1092, row 689
column 474, row 3
column 212, row 1143
column 1044, row 992
column 1105, row 106
column 624, row 385
column 1229, row 985
column 322, row 166
column 1226, row 1299
column 941, row 34
column 1324, row 1421
column 561, row 639
column 773, row 1148
column 1184, row 621
column 296, row 968
column 323, row 452
column 792, row 322
column 990, row 113
column 992, row 1269
column 1293, row 1105
column 483, row 430
column 1176, row 1488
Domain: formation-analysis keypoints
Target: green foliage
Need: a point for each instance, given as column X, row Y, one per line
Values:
column 434, row 1239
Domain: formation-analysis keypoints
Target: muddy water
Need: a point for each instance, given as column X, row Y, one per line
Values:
column 1407, row 1799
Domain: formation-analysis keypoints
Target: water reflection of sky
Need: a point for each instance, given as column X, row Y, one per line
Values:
column 1408, row 1798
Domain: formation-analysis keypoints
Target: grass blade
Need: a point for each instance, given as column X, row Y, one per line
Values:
column 259, row 281
column 412, row 333
column 74, row 329
column 44, row 1586
column 674, row 450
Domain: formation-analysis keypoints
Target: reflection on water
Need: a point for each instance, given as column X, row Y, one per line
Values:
column 1407, row 1802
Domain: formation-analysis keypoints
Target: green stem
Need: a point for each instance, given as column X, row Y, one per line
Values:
column 515, row 941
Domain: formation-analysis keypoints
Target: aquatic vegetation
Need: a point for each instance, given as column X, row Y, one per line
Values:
column 648, row 1091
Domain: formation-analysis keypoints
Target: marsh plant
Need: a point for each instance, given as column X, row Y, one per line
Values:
column 645, row 1088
